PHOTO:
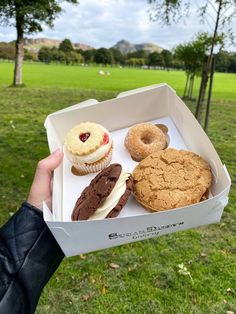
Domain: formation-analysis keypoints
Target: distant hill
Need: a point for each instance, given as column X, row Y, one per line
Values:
column 125, row 47
column 34, row 44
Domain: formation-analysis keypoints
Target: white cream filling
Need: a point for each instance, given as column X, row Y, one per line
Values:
column 91, row 158
column 114, row 197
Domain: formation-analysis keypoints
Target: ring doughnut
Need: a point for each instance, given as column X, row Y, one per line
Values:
column 144, row 139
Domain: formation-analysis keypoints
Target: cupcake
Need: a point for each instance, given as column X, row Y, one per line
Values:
column 88, row 146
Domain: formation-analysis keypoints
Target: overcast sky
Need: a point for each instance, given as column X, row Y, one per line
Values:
column 101, row 23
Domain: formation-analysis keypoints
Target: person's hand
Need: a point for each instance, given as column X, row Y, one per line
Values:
column 41, row 190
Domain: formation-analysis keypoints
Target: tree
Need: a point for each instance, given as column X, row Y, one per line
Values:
column 221, row 13
column 44, row 54
column 167, row 11
column 138, row 54
column 103, row 56
column 208, row 70
column 232, row 65
column 193, row 55
column 117, row 56
column 135, row 61
column 73, row 57
column 29, row 55
column 167, row 58
column 186, row 54
column 27, row 16
column 66, row 46
column 156, row 59
column 223, row 61
column 88, row 55
column 7, row 51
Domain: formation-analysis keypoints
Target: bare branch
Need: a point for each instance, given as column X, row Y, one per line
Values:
column 226, row 10
column 167, row 11
column 203, row 16
column 212, row 5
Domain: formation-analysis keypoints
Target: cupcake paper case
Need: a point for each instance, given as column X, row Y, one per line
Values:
column 88, row 146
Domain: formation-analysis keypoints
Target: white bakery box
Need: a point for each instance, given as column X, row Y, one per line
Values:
column 158, row 104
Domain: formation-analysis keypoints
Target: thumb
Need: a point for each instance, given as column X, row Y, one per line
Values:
column 41, row 187
column 47, row 165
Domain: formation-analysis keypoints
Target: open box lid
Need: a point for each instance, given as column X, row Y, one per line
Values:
column 157, row 102
column 128, row 108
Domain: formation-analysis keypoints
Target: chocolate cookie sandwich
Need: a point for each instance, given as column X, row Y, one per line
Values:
column 105, row 196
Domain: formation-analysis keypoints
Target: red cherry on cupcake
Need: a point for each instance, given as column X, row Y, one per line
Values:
column 84, row 136
column 105, row 139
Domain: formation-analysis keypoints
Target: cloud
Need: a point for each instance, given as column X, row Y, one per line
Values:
column 102, row 23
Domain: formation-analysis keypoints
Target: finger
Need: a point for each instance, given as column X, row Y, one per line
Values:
column 41, row 186
column 50, row 163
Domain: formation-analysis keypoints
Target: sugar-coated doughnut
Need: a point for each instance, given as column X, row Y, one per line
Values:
column 144, row 139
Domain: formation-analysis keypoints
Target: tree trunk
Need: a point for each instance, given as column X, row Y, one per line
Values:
column 189, row 86
column 198, row 112
column 209, row 95
column 191, row 93
column 19, row 55
column 186, row 85
column 207, row 69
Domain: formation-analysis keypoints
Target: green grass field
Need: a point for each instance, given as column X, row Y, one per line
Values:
column 62, row 76
column 148, row 279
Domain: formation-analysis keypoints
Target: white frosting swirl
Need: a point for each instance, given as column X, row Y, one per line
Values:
column 112, row 200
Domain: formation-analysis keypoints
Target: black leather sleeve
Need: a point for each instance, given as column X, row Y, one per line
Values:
column 29, row 255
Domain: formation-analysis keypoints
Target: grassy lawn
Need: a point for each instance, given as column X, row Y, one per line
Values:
column 148, row 279
column 62, row 76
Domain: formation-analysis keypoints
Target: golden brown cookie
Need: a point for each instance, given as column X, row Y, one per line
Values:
column 84, row 138
column 170, row 179
column 143, row 139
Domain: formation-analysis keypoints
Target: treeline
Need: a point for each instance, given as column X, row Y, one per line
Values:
column 65, row 53
column 226, row 62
